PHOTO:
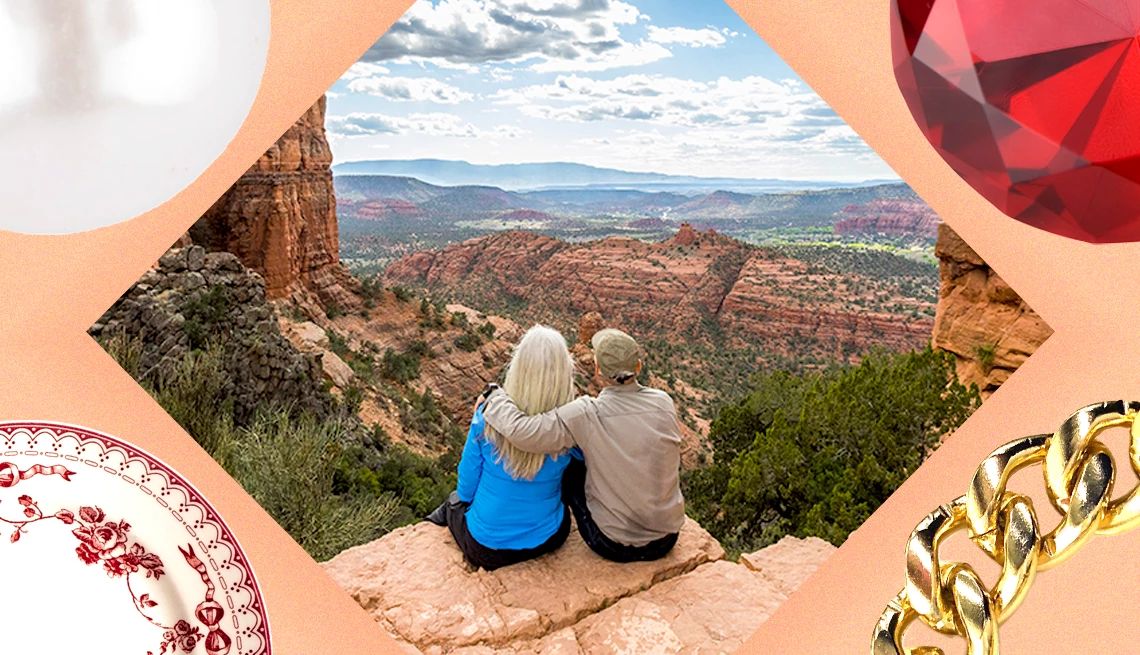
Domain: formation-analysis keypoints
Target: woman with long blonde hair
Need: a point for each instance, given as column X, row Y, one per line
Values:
column 508, row 507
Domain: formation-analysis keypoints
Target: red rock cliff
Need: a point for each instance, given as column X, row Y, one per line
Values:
column 980, row 319
column 280, row 219
column 673, row 290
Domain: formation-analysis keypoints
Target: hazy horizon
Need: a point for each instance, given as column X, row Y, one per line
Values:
column 886, row 180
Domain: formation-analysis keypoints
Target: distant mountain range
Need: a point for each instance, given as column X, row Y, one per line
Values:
column 564, row 175
column 404, row 200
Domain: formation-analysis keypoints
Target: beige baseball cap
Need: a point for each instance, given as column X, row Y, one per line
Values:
column 616, row 353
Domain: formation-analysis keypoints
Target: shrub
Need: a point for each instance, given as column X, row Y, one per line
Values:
column 203, row 311
column 402, row 294
column 419, row 482
column 400, row 367
column 289, row 463
column 419, row 348
column 468, row 342
column 289, row 466
column 986, row 354
column 815, row 454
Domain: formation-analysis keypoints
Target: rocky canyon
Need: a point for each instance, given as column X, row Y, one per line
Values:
column 261, row 274
column 697, row 286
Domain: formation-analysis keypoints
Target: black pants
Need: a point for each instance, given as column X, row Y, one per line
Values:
column 574, row 495
column 492, row 558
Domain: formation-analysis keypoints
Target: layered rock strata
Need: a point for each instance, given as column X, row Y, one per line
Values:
column 280, row 220
column 676, row 289
column 980, row 319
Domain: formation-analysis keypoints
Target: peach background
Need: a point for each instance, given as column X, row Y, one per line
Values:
column 1087, row 293
column 53, row 288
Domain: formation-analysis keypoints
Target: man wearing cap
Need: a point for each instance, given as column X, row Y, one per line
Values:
column 626, row 495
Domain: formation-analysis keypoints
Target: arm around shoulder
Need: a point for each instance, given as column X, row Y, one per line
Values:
column 541, row 433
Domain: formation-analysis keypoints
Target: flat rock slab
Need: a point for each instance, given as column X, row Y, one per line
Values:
column 415, row 582
column 790, row 561
column 710, row 610
column 713, row 609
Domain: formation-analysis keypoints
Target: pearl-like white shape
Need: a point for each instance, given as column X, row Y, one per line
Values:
column 108, row 108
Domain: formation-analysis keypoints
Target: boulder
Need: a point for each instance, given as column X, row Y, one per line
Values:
column 336, row 371
column 308, row 335
column 714, row 609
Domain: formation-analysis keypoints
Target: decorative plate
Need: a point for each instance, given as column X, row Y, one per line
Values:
column 105, row 549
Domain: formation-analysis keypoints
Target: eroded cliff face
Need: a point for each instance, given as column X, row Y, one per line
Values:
column 898, row 218
column 981, row 319
column 280, row 220
column 674, row 290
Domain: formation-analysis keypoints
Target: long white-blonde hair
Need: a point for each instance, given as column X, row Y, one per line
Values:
column 539, row 378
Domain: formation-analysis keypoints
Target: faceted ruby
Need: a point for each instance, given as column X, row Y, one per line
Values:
column 1035, row 103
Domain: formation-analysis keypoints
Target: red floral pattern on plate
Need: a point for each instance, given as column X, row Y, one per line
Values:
column 110, row 543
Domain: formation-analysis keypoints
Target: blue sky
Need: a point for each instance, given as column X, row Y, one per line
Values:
column 648, row 85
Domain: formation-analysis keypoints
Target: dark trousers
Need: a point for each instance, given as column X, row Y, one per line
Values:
column 574, row 495
column 492, row 558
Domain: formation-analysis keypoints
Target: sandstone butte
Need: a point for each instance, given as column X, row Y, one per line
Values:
column 902, row 218
column 416, row 585
column 280, row 219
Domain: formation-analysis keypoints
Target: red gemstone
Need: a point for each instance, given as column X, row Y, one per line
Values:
column 1035, row 103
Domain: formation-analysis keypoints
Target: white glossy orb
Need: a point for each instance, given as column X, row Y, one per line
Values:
column 108, row 108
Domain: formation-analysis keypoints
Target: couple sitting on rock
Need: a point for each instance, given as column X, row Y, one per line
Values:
column 535, row 455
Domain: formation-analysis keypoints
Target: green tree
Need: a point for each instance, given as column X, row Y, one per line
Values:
column 815, row 454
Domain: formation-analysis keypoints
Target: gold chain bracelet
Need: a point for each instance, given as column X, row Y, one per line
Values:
column 1079, row 472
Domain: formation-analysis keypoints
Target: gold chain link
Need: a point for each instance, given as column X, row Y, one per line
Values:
column 1079, row 472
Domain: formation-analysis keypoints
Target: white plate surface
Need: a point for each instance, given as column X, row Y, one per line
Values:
column 104, row 549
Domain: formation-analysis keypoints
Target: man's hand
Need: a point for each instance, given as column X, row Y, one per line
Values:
column 487, row 391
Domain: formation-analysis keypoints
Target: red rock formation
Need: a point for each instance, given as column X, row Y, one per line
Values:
column 588, row 326
column 672, row 290
column 899, row 218
column 686, row 235
column 280, row 219
column 980, row 319
column 387, row 209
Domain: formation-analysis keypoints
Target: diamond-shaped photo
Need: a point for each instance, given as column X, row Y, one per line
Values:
column 570, row 326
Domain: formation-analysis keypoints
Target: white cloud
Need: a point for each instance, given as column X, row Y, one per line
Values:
column 705, row 37
column 785, row 107
column 359, row 124
column 499, row 75
column 626, row 55
column 665, row 120
column 549, row 35
column 362, row 69
column 409, row 89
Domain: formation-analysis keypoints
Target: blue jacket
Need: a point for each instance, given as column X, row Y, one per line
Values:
column 505, row 513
